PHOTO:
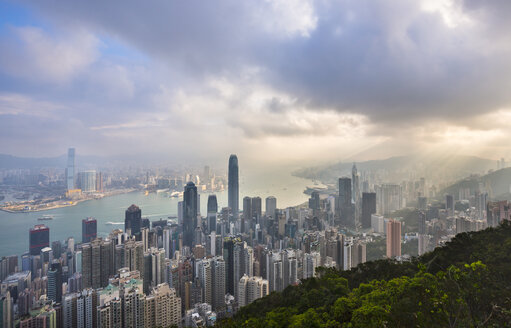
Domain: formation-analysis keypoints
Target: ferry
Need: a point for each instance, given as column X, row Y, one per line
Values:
column 45, row 217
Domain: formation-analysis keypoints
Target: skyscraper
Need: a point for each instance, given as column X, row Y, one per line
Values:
column 39, row 238
column 393, row 238
column 189, row 213
column 345, row 208
column 70, row 170
column 55, row 282
column 133, row 220
column 212, row 204
column 271, row 206
column 89, row 229
column 233, row 186
column 368, row 208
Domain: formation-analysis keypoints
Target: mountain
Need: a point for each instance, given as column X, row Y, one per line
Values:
column 498, row 183
column 396, row 169
column 13, row 162
column 463, row 284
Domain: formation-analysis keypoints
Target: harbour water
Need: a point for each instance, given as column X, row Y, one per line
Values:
column 14, row 227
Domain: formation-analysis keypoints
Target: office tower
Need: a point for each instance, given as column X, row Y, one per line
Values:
column 55, row 282
column 89, row 229
column 39, row 238
column 233, row 186
column 393, row 238
column 256, row 207
column 212, row 204
column 271, row 206
column 345, row 208
column 133, row 221
column 314, row 203
column 228, row 255
column 88, row 181
column 368, row 208
column 162, row 307
column 70, row 169
column 180, row 213
column 449, row 204
column 189, row 214
column 247, row 213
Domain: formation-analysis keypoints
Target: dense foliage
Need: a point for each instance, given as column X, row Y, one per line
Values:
column 467, row 283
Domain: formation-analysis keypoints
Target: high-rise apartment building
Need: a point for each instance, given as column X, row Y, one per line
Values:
column 133, row 221
column 393, row 238
column 271, row 206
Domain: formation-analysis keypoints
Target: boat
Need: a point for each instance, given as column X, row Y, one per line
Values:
column 45, row 217
column 176, row 194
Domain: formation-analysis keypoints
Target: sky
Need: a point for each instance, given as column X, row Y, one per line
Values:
column 278, row 82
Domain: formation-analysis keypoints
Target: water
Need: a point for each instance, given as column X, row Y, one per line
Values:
column 67, row 221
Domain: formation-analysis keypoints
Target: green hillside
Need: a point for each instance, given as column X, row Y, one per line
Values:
column 467, row 283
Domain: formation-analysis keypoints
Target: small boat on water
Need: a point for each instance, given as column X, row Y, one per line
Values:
column 45, row 217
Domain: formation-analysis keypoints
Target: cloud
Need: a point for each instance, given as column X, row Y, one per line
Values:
column 34, row 55
column 248, row 74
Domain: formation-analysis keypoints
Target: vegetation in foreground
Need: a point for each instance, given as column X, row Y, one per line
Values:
column 467, row 283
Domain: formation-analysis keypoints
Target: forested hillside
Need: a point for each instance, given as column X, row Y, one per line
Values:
column 467, row 283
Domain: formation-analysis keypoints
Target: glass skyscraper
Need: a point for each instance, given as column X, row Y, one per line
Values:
column 233, row 186
column 189, row 213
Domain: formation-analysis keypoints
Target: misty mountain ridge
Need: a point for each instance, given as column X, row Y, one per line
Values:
column 399, row 168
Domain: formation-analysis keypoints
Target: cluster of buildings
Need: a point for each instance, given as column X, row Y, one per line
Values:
column 202, row 268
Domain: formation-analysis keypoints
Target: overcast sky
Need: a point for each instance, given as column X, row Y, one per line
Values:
column 273, row 81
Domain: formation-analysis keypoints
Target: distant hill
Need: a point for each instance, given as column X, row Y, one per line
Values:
column 13, row 162
column 498, row 183
column 463, row 284
column 399, row 168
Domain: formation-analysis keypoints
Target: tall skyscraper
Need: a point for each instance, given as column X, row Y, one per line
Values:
column 393, row 238
column 89, row 229
column 133, row 221
column 189, row 213
column 70, row 169
column 257, row 211
column 39, row 238
column 271, row 206
column 345, row 208
column 368, row 208
column 55, row 282
column 233, row 186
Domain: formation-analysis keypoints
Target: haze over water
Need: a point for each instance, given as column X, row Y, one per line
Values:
column 67, row 221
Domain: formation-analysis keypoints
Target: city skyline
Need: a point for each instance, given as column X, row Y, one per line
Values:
column 343, row 81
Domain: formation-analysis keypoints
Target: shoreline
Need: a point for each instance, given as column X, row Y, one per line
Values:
column 72, row 202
